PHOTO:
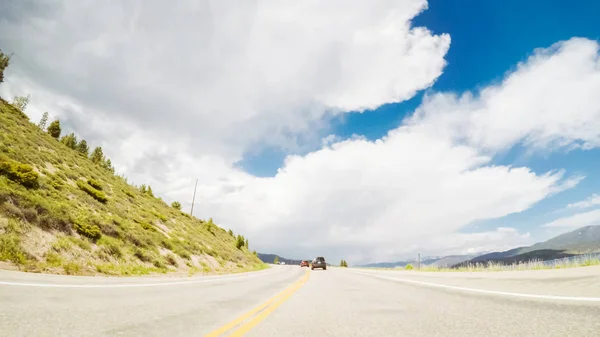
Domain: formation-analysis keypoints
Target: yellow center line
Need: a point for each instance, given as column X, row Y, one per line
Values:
column 242, row 330
column 286, row 293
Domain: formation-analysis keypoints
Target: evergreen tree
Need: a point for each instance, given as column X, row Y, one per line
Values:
column 83, row 148
column 176, row 205
column 54, row 129
column 97, row 156
column 70, row 141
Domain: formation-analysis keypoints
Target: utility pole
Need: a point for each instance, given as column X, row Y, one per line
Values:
column 194, row 198
column 419, row 261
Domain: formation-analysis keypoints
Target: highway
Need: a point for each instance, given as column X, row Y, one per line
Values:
column 294, row 301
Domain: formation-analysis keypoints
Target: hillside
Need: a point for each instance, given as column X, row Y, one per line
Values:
column 580, row 241
column 64, row 211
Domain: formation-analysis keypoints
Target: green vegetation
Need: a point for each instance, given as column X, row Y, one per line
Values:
column 176, row 205
column 64, row 211
column 19, row 173
column 409, row 267
column 276, row 260
column 54, row 129
column 343, row 264
column 4, row 62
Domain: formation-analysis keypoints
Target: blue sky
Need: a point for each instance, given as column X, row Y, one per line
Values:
column 488, row 39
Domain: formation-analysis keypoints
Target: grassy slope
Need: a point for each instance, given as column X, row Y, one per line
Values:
column 51, row 228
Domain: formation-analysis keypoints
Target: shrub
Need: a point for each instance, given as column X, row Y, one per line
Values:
column 20, row 173
column 72, row 268
column 176, row 205
column 108, row 229
column 94, row 193
column 111, row 246
column 166, row 244
column 10, row 249
column 62, row 244
column 95, row 184
column 143, row 255
column 148, row 226
column 161, row 216
column 409, row 267
column 182, row 252
column 171, row 259
column 90, row 231
column 49, row 222
column 159, row 264
column 53, row 259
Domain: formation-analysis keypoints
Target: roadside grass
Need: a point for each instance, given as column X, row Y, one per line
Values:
column 100, row 223
column 583, row 260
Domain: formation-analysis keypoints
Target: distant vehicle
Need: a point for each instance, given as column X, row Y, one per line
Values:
column 319, row 262
column 304, row 264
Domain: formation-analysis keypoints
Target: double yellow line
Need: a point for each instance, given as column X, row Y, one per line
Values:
column 263, row 310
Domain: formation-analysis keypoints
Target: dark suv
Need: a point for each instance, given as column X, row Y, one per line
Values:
column 319, row 262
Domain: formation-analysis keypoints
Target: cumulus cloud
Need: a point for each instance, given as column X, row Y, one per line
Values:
column 576, row 220
column 170, row 105
column 548, row 102
column 226, row 76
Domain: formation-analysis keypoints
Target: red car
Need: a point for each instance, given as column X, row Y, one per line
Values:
column 304, row 264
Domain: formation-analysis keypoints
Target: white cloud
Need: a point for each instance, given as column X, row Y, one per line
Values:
column 549, row 102
column 577, row 220
column 225, row 76
column 267, row 74
column 590, row 201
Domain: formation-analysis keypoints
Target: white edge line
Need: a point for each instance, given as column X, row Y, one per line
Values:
column 123, row 285
column 491, row 292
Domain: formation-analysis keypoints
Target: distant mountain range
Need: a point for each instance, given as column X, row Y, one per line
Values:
column 580, row 241
column 270, row 258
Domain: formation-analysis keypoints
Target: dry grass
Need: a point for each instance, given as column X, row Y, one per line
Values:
column 84, row 220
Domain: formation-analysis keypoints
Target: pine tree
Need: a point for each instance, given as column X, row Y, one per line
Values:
column 83, row 148
column 70, row 141
column 149, row 191
column 246, row 243
column 43, row 121
column 239, row 242
column 54, row 129
column 97, row 156
column 108, row 165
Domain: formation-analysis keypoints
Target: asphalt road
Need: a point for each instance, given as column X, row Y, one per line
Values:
column 293, row 301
